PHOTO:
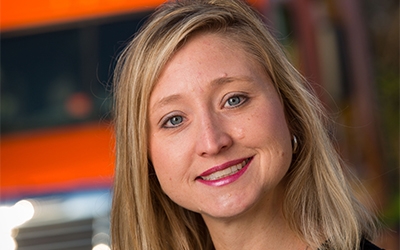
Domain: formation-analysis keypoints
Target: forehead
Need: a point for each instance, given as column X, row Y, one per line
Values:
column 206, row 53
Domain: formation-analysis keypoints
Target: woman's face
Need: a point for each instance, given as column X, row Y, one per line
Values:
column 219, row 141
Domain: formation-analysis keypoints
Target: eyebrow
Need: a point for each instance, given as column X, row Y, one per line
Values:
column 224, row 80
column 164, row 101
column 220, row 81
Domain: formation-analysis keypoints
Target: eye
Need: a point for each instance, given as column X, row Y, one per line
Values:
column 173, row 121
column 235, row 101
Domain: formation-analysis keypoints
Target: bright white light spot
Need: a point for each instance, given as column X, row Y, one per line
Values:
column 7, row 242
column 12, row 217
column 5, row 225
column 24, row 211
column 101, row 247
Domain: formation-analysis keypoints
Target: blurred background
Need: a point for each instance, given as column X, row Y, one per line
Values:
column 57, row 59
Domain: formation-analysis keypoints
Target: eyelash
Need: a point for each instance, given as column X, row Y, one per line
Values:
column 242, row 98
column 168, row 120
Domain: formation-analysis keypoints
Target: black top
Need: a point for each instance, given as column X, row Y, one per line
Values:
column 366, row 245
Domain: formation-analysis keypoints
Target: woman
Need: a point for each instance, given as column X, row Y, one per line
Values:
column 220, row 142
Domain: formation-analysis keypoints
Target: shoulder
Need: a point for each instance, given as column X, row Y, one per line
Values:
column 367, row 245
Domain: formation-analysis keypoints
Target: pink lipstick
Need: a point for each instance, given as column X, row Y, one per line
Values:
column 226, row 173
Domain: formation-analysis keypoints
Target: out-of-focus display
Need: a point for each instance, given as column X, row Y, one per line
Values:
column 75, row 220
column 56, row 135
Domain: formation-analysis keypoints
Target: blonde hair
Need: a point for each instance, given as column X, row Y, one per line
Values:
column 318, row 205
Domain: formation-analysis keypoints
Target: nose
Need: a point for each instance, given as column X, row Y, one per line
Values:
column 213, row 136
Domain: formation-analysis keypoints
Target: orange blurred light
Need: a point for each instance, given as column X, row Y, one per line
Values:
column 24, row 14
column 57, row 159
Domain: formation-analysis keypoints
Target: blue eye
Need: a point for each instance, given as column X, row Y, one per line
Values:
column 235, row 101
column 173, row 121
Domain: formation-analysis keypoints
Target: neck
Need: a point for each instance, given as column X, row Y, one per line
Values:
column 262, row 227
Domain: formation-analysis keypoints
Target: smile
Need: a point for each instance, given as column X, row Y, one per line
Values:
column 225, row 172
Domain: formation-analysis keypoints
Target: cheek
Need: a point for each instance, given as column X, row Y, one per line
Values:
column 270, row 133
column 168, row 162
column 159, row 158
column 165, row 175
column 270, row 121
column 170, row 173
column 161, row 161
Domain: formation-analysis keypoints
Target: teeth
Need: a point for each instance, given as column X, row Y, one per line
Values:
column 225, row 172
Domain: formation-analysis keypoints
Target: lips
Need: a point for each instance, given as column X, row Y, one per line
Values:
column 225, row 171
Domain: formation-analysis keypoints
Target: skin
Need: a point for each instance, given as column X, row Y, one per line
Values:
column 212, row 105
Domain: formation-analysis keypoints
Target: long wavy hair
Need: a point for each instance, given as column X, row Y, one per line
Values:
column 319, row 204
